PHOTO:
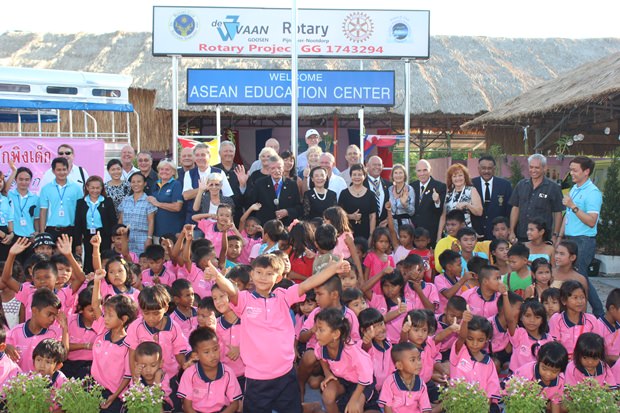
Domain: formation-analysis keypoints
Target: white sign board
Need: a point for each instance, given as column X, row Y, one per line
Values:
column 259, row 32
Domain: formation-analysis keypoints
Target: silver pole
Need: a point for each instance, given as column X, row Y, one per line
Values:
column 360, row 115
column 294, row 123
column 175, row 107
column 407, row 111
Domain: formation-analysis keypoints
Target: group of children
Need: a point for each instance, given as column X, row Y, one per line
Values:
column 373, row 325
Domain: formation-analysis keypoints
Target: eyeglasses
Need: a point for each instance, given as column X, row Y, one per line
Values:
column 65, row 153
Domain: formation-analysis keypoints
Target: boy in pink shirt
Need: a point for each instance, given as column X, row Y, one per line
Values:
column 195, row 264
column 47, row 358
column 184, row 314
column 404, row 391
column 450, row 283
column 149, row 370
column 228, row 330
column 376, row 343
column 158, row 272
column 8, row 368
column 548, row 373
column 208, row 385
column 24, row 337
column 610, row 326
column 267, row 332
column 482, row 300
column 251, row 232
column 215, row 228
column 421, row 294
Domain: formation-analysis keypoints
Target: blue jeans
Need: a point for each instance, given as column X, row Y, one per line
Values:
column 586, row 247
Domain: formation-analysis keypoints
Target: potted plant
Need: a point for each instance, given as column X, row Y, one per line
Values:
column 590, row 397
column 28, row 393
column 144, row 399
column 608, row 234
column 523, row 396
column 80, row 396
column 460, row 396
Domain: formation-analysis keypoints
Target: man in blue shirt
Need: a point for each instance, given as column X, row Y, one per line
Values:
column 583, row 207
column 58, row 201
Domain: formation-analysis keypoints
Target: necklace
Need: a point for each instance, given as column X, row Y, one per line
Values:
column 319, row 196
column 357, row 192
column 401, row 189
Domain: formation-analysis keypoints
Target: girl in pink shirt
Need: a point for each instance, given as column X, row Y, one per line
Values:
column 376, row 343
column 250, row 232
column 567, row 326
column 345, row 248
column 349, row 383
column 213, row 228
column 110, row 366
column 228, row 333
column 378, row 261
column 469, row 361
column 81, row 337
column 530, row 335
column 548, row 373
column 589, row 362
column 118, row 280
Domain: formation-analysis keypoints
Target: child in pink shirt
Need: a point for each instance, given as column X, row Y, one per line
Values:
column 213, row 228
column 376, row 344
column 470, row 362
column 24, row 337
column 267, row 333
column 499, row 348
column 450, row 283
column 421, row 242
column 184, row 314
column 118, row 280
column 402, row 241
column 228, row 333
column 208, row 385
column 548, row 372
column 158, row 272
column 567, row 326
column 8, row 368
column 609, row 326
column 378, row 261
column 195, row 264
column 589, row 362
column 526, row 339
column 47, row 358
column 149, row 371
column 404, row 390
column 81, row 337
column 44, row 275
column 422, row 294
column 349, row 383
column 155, row 325
column 482, row 300
column 110, row 366
column 250, row 232
column 345, row 248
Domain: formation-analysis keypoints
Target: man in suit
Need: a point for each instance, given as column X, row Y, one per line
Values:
column 430, row 196
column 495, row 193
column 278, row 195
column 378, row 186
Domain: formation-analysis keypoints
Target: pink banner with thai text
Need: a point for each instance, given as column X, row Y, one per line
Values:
column 38, row 153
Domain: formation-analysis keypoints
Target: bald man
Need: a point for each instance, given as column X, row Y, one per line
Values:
column 187, row 162
column 128, row 154
column 269, row 143
column 427, row 211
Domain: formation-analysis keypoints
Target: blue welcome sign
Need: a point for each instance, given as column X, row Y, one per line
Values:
column 273, row 87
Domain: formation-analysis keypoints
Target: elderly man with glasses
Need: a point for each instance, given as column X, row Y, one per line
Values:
column 76, row 174
column 145, row 165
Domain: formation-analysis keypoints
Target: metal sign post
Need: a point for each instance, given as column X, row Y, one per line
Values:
column 407, row 111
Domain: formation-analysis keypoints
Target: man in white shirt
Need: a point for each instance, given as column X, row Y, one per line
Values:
column 312, row 139
column 353, row 156
column 336, row 183
column 76, row 174
column 128, row 154
column 269, row 143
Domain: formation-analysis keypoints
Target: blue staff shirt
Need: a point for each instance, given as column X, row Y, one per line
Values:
column 25, row 211
column 93, row 217
column 589, row 199
column 60, row 202
column 6, row 212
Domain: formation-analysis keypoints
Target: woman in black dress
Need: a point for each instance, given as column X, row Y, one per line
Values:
column 359, row 203
column 318, row 198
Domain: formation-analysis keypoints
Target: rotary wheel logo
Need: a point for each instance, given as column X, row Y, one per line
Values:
column 358, row 27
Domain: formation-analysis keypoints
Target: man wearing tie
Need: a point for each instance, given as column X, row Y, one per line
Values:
column 429, row 200
column 378, row 186
column 495, row 193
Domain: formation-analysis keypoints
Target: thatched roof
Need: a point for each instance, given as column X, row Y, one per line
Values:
column 464, row 76
column 592, row 82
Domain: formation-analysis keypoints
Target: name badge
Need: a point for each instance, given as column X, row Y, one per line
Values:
column 2, row 220
column 541, row 195
column 61, row 212
column 93, row 231
column 22, row 222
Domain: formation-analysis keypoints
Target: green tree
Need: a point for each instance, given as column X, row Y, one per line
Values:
column 515, row 172
column 609, row 223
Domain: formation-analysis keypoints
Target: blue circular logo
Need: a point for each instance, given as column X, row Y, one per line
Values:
column 400, row 31
column 184, row 25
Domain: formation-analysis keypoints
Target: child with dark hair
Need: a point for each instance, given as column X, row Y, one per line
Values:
column 421, row 293
column 45, row 309
column 209, row 385
column 467, row 239
column 541, row 270
column 500, row 349
column 551, row 300
column 345, row 248
column 240, row 276
column 404, row 391
column 149, row 362
column 194, row 264
column 379, row 261
column 520, row 277
column 361, row 248
column 421, row 242
column 354, row 299
column 482, row 300
column 348, row 370
column 233, row 250
column 350, row 279
column 454, row 312
column 184, row 313
column 272, row 233
column 81, row 337
column 159, row 271
column 251, row 232
column 610, row 326
column 376, row 343
column 470, row 362
column 325, row 239
column 548, row 372
column 301, row 251
column 48, row 357
column 451, row 283
column 454, row 221
column 589, row 362
column 498, row 250
column 303, row 310
column 206, row 313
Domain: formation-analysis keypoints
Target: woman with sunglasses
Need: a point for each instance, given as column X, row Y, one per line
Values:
column 210, row 196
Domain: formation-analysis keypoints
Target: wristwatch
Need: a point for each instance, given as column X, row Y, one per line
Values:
column 575, row 209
